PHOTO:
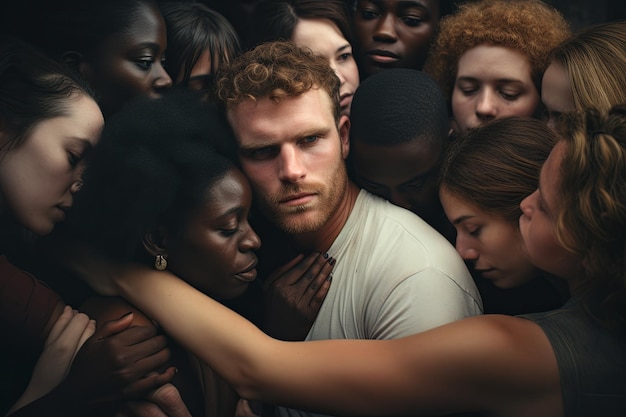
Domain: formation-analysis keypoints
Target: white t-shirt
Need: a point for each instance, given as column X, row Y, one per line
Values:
column 395, row 276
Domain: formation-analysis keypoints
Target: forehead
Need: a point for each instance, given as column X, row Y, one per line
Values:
column 432, row 5
column 270, row 120
column 321, row 35
column 556, row 91
column 230, row 187
column 145, row 26
column 491, row 62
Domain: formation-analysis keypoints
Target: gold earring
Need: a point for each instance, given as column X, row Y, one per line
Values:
column 160, row 263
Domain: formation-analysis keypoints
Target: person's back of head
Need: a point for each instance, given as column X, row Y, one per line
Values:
column 276, row 70
column 193, row 28
column 595, row 61
column 398, row 133
column 399, row 106
column 591, row 212
column 530, row 27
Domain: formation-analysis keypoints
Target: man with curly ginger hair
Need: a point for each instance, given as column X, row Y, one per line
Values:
column 490, row 55
column 395, row 275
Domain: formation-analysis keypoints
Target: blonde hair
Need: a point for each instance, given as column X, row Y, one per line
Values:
column 591, row 217
column 528, row 26
column 595, row 61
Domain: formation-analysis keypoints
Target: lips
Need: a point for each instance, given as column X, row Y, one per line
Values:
column 248, row 274
column 297, row 199
column 381, row 56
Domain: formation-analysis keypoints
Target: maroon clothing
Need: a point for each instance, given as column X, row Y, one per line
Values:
column 26, row 305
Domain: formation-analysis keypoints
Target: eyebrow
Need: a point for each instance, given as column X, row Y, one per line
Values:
column 344, row 47
column 230, row 212
column 500, row 80
column 461, row 219
column 261, row 142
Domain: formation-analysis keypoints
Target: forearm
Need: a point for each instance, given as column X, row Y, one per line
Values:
column 227, row 342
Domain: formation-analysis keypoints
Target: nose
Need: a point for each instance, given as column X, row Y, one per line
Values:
column 465, row 249
column 486, row 107
column 342, row 79
column 291, row 168
column 162, row 80
column 385, row 30
column 250, row 240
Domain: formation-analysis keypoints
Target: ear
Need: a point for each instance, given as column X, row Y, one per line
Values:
column 344, row 135
column 77, row 61
column 154, row 242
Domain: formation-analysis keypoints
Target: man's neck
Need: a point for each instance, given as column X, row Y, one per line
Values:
column 322, row 239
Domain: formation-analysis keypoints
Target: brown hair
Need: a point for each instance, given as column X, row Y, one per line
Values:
column 591, row 213
column 496, row 165
column 276, row 69
column 528, row 26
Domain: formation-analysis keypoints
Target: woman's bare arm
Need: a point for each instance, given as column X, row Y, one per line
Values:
column 480, row 363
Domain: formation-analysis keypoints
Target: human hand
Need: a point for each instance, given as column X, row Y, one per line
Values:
column 294, row 294
column 165, row 401
column 66, row 337
column 118, row 362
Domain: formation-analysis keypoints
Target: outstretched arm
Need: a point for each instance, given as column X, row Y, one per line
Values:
column 475, row 364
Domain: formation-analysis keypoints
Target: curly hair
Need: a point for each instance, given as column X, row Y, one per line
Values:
column 495, row 166
column 591, row 213
column 276, row 70
column 594, row 60
column 151, row 169
column 528, row 26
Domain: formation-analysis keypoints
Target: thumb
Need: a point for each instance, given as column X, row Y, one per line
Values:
column 116, row 326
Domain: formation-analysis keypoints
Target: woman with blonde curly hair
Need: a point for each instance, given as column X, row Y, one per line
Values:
column 587, row 70
column 490, row 55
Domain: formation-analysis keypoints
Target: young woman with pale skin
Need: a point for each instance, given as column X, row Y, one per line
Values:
column 532, row 365
column 488, row 60
column 483, row 178
column 321, row 26
column 49, row 122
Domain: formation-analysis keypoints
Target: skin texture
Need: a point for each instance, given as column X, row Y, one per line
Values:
column 492, row 82
column 293, row 153
column 538, row 217
column 215, row 251
column 556, row 93
column 39, row 178
column 326, row 40
column 490, row 242
column 405, row 174
column 394, row 33
column 131, row 63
